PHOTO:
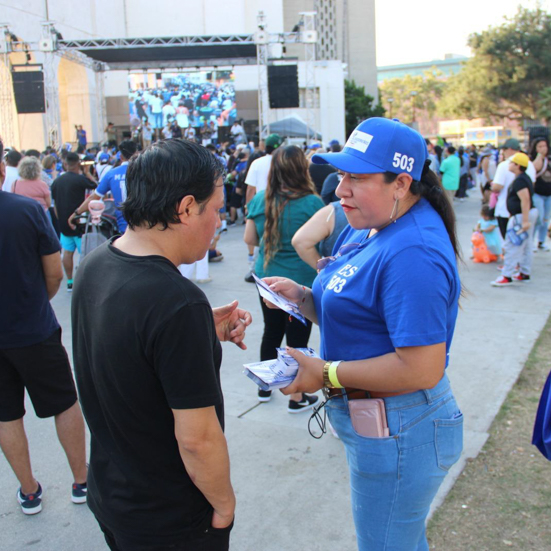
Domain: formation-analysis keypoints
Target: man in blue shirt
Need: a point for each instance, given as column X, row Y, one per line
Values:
column 115, row 182
column 81, row 138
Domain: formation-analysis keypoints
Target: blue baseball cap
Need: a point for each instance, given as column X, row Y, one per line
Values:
column 104, row 157
column 380, row 145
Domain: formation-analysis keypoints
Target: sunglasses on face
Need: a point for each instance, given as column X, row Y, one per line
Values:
column 326, row 260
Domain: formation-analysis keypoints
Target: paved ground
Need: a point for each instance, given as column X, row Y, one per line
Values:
column 291, row 489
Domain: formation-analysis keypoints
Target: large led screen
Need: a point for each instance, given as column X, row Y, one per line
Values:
column 185, row 99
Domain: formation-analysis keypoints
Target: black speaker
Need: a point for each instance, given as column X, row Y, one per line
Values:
column 283, row 86
column 28, row 89
column 224, row 134
column 538, row 132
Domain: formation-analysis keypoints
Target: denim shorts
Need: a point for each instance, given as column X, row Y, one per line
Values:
column 394, row 480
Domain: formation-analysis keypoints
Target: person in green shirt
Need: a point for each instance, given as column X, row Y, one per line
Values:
column 450, row 169
column 274, row 216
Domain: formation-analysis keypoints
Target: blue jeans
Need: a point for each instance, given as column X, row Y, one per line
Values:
column 543, row 204
column 157, row 119
column 394, row 480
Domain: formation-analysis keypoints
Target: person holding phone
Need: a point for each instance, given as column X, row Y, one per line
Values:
column 386, row 303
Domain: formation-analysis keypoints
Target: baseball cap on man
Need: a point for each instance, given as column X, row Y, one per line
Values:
column 273, row 140
column 380, row 145
column 511, row 143
column 104, row 158
column 520, row 159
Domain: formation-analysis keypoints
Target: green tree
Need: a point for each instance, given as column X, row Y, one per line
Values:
column 412, row 94
column 359, row 106
column 511, row 65
column 544, row 104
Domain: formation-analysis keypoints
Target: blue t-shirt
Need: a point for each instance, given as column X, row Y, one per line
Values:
column 399, row 288
column 26, row 235
column 115, row 182
column 493, row 238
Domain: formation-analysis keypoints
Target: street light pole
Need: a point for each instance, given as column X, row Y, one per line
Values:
column 390, row 101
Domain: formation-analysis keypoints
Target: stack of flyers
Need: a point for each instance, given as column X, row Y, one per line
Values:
column 281, row 302
column 288, row 364
column 277, row 373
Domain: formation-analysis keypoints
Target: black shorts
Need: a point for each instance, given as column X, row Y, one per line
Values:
column 236, row 200
column 44, row 370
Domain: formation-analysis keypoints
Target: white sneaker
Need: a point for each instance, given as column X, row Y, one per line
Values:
column 544, row 247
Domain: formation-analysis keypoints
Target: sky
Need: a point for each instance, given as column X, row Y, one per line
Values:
column 410, row 31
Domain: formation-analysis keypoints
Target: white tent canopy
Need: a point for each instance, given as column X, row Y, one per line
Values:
column 293, row 127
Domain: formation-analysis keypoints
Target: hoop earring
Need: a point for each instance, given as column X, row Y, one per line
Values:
column 394, row 210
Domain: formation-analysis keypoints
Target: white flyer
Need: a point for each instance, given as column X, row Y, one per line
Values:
column 279, row 301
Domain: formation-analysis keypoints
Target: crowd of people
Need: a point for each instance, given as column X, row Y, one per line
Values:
column 182, row 109
column 515, row 192
column 332, row 230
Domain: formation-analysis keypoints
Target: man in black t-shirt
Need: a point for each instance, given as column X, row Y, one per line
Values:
column 319, row 173
column 68, row 192
column 517, row 249
column 31, row 354
column 147, row 359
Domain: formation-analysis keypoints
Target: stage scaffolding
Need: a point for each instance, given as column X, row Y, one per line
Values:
column 102, row 55
column 305, row 34
column 8, row 131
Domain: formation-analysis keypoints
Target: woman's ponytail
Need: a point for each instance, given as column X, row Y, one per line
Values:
column 431, row 189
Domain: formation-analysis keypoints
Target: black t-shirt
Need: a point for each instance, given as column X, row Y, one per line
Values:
column 522, row 181
column 144, row 343
column 318, row 173
column 26, row 235
column 543, row 182
column 68, row 192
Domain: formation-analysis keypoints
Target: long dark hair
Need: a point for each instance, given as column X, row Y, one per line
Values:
column 288, row 179
column 431, row 189
column 534, row 144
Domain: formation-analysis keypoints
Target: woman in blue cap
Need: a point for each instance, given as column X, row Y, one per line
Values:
column 386, row 304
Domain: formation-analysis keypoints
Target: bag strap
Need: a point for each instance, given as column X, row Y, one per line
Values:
column 543, row 168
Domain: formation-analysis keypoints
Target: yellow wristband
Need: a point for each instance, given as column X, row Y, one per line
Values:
column 332, row 372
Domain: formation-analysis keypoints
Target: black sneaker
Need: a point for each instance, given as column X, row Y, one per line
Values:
column 31, row 504
column 79, row 493
column 307, row 402
column 249, row 278
column 264, row 395
column 70, row 286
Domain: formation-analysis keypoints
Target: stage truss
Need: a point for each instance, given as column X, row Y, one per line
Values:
column 52, row 46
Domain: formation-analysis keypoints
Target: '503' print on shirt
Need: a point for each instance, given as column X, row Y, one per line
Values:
column 338, row 281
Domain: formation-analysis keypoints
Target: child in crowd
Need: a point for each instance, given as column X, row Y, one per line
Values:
column 488, row 226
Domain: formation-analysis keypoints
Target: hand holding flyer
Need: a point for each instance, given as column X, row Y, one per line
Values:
column 277, row 373
column 279, row 301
